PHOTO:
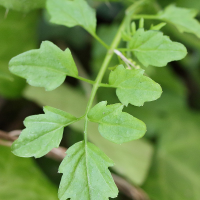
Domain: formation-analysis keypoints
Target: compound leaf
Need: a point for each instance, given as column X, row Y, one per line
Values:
column 46, row 67
column 137, row 154
column 152, row 48
column 42, row 133
column 23, row 5
column 133, row 87
column 115, row 125
column 85, row 174
column 72, row 13
column 182, row 18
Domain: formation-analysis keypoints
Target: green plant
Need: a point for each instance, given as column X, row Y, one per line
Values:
column 85, row 166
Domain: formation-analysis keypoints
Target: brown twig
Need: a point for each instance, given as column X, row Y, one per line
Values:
column 135, row 193
column 57, row 153
column 129, row 190
column 15, row 134
column 6, row 136
column 5, row 143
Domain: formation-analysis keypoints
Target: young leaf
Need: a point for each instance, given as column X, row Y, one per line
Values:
column 46, row 67
column 86, row 175
column 42, row 133
column 133, row 87
column 152, row 48
column 72, row 13
column 115, row 125
column 182, row 18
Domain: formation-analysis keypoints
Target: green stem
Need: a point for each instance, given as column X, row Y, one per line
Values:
column 109, row 55
column 101, row 41
column 107, row 85
column 100, row 75
column 128, row 53
column 85, row 130
column 146, row 17
column 85, row 79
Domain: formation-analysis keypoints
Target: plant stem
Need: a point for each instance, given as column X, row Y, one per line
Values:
column 106, row 85
column 134, row 8
column 101, row 41
column 146, row 17
column 100, row 75
column 85, row 79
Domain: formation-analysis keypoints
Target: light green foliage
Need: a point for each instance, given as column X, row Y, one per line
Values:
column 59, row 98
column 21, row 179
column 152, row 48
column 46, row 67
column 175, row 171
column 182, row 18
column 181, row 3
column 85, row 167
column 72, row 13
column 189, row 4
column 11, row 86
column 86, row 175
column 115, row 125
column 5, row 76
column 132, row 159
column 133, row 87
column 22, row 5
column 42, row 133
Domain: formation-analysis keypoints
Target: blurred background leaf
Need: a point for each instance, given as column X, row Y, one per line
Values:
column 14, row 171
column 175, row 171
column 23, row 5
column 17, row 34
